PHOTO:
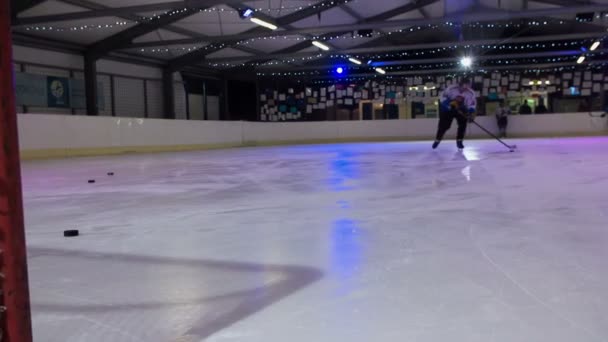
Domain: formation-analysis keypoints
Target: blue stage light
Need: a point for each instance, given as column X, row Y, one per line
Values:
column 340, row 70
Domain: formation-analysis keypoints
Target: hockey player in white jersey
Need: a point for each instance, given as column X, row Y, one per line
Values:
column 457, row 102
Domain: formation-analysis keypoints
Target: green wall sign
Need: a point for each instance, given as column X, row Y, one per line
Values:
column 58, row 92
column 53, row 92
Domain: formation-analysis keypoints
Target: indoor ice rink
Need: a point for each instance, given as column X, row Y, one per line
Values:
column 303, row 170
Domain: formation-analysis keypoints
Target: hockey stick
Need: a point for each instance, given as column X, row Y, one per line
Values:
column 510, row 147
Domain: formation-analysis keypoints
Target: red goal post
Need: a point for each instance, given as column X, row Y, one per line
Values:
column 15, row 318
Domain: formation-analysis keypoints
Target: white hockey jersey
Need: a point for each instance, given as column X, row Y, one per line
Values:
column 453, row 91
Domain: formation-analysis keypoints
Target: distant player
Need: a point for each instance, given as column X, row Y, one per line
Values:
column 502, row 118
column 457, row 102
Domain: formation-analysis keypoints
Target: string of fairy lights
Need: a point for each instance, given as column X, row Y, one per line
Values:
column 273, row 9
column 447, row 50
column 514, row 47
column 155, row 16
column 279, row 9
column 87, row 27
column 536, row 73
column 268, row 63
column 478, row 49
column 309, row 74
column 107, row 25
column 184, row 49
column 445, row 65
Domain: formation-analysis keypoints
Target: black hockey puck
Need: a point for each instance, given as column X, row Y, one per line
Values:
column 91, row 181
column 110, row 173
column 71, row 233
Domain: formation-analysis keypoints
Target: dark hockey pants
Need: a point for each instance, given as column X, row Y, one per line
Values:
column 445, row 122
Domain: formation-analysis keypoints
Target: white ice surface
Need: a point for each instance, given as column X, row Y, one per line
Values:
column 352, row 242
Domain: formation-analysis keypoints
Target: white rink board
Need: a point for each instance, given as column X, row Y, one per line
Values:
column 40, row 131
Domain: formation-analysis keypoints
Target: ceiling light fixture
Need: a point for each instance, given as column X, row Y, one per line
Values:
column 354, row 60
column 320, row 45
column 246, row 13
column 466, row 62
column 264, row 23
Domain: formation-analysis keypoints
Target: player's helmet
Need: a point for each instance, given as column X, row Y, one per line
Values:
column 465, row 82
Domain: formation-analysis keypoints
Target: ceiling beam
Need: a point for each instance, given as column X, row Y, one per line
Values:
column 414, row 5
column 307, row 43
column 410, row 47
column 33, row 41
column 60, row 46
column 301, row 14
column 171, row 28
column 397, row 39
column 425, row 13
column 427, row 16
column 570, row 3
column 351, row 12
column 199, row 55
column 485, row 16
column 18, row 6
column 306, row 12
column 66, row 47
column 123, row 38
column 563, row 3
column 297, row 47
column 95, row 6
column 121, row 11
